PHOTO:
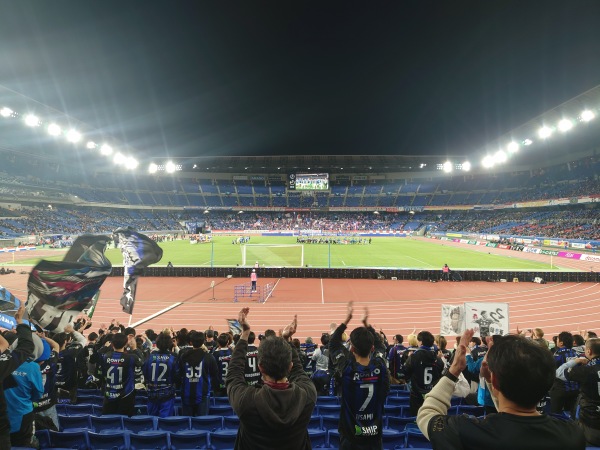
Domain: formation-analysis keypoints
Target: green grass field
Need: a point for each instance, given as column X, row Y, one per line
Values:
column 384, row 252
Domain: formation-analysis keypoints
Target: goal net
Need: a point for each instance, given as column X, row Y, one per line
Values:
column 273, row 255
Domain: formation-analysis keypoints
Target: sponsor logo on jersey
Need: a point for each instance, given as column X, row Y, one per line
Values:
column 365, row 431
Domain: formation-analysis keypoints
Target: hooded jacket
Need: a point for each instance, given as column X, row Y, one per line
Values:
column 270, row 418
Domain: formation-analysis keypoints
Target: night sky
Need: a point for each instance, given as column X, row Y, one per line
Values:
column 206, row 78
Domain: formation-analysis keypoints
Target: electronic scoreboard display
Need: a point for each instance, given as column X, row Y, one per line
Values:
column 309, row 181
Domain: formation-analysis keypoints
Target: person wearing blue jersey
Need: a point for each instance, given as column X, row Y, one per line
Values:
column 423, row 368
column 395, row 357
column 586, row 371
column 222, row 356
column 46, row 405
column 70, row 342
column 275, row 413
column 198, row 373
column 118, row 373
column 363, row 375
column 563, row 394
column 9, row 361
column 161, row 373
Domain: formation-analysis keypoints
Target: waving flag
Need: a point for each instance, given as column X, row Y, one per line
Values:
column 139, row 251
column 60, row 290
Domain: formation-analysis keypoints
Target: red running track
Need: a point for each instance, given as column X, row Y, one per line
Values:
column 395, row 306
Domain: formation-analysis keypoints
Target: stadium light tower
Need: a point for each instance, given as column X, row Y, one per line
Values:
column 587, row 115
column 119, row 159
column 527, row 142
column 73, row 136
column 106, row 149
column 6, row 112
column 565, row 125
column 447, row 167
column 54, row 130
column 152, row 168
column 500, row 157
column 32, row 121
column 131, row 163
column 170, row 167
column 91, row 145
column 488, row 162
column 512, row 147
column 466, row 166
column 545, row 132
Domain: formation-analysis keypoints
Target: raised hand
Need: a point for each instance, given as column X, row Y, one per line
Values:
column 460, row 357
column 19, row 314
column 349, row 311
column 365, row 317
column 289, row 330
column 242, row 316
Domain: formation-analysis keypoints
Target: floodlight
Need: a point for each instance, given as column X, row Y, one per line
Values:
column 545, row 132
column 106, row 149
column 119, row 158
column 527, row 142
column 73, row 136
column 152, row 168
column 6, row 112
column 54, row 130
column 131, row 163
column 587, row 115
column 466, row 166
column 500, row 157
column 206, row 211
column 32, row 121
column 565, row 125
column 170, row 167
column 512, row 147
column 91, row 145
column 447, row 167
column 488, row 162
column 376, row 212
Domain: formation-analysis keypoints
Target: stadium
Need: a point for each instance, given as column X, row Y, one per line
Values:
column 101, row 222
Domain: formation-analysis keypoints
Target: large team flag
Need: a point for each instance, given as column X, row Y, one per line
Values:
column 58, row 291
column 139, row 251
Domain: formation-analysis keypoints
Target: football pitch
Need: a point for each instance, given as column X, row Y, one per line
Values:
column 383, row 252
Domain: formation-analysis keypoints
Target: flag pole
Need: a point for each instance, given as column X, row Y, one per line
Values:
column 130, row 317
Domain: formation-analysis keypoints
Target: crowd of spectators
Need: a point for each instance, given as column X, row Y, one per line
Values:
column 545, row 391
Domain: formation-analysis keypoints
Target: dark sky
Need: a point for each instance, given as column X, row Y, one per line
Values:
column 205, row 78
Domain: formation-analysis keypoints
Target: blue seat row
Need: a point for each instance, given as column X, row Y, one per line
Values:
column 96, row 410
column 201, row 439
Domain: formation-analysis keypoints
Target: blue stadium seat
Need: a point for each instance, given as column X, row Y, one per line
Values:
column 397, row 401
column 399, row 423
column 220, row 410
column 315, row 423
column 416, row 439
column 220, row 401
column 137, row 424
column 113, row 440
column 141, row 410
column 84, row 408
column 231, row 422
column 109, row 422
column 330, row 410
column 394, row 410
column 327, row 400
column 189, row 439
column 173, row 424
column 222, row 439
column 43, row 437
column 74, row 422
column 155, row 440
column 69, row 439
column 330, row 422
column 208, row 423
column 333, row 438
column 318, row 438
column 393, row 439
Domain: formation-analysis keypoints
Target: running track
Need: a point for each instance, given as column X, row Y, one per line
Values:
column 395, row 306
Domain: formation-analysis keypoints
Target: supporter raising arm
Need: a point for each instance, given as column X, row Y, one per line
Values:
column 365, row 382
column 274, row 414
column 518, row 373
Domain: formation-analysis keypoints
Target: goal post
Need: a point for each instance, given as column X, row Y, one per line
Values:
column 273, row 255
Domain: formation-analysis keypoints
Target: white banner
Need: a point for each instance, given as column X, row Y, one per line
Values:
column 453, row 320
column 487, row 318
